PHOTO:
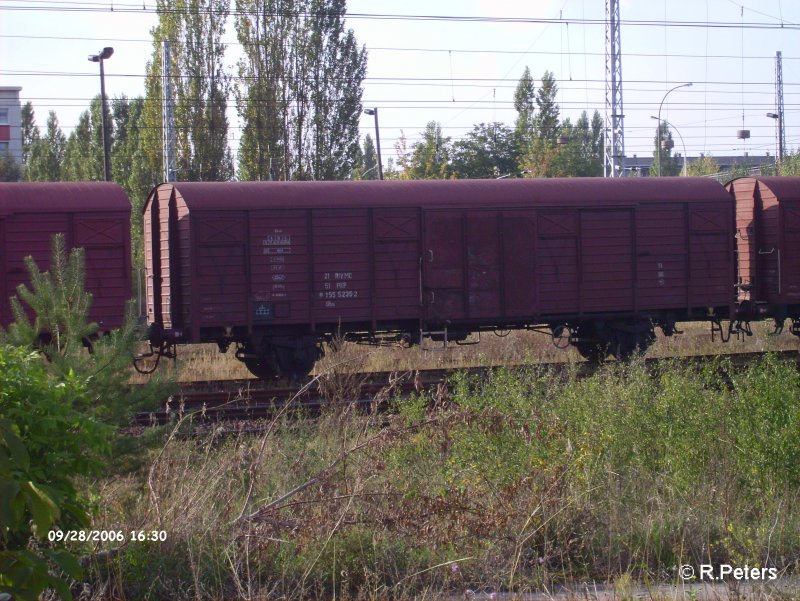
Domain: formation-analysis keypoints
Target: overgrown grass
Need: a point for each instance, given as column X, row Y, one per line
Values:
column 519, row 481
column 205, row 362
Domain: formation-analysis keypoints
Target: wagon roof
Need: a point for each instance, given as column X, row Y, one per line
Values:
column 69, row 197
column 475, row 192
column 784, row 188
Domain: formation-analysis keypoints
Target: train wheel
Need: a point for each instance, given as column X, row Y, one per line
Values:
column 297, row 362
column 262, row 366
column 589, row 344
column 625, row 345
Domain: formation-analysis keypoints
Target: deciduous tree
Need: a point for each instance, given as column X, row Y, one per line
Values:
column 47, row 154
column 300, row 93
column 488, row 151
column 200, row 88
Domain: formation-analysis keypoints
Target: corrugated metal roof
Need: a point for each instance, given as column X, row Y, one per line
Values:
column 69, row 197
column 432, row 193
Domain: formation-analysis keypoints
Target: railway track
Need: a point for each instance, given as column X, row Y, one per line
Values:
column 251, row 399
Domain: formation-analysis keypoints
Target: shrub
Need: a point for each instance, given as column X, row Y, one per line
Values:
column 45, row 443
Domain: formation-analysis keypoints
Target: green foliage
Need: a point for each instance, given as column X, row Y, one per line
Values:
column 524, row 103
column 488, row 151
column 705, row 165
column 30, row 133
column 300, row 96
column 790, row 164
column 47, row 154
column 45, row 441
column 546, row 123
column 130, row 167
column 61, row 306
column 369, row 163
column 83, row 153
column 670, row 164
column 200, row 87
column 59, row 302
column 430, row 157
column 10, row 171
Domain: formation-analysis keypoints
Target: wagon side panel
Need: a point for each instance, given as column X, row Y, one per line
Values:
column 711, row 266
column 557, row 262
column 105, row 238
column 30, row 234
column 518, row 239
column 661, row 267
column 342, row 266
column 607, row 245
column 444, row 269
column 396, row 264
column 220, row 271
column 279, row 267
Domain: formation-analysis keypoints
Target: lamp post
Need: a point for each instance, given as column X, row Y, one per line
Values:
column 658, row 131
column 779, row 124
column 682, row 142
column 374, row 111
column 105, row 54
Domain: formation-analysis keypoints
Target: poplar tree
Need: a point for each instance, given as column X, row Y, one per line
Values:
column 370, row 160
column 83, row 153
column 30, row 133
column 300, row 93
column 430, row 158
column 129, row 165
column 546, row 122
column 524, row 103
column 200, row 88
column 47, row 154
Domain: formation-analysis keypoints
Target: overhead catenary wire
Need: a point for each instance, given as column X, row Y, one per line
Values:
column 73, row 6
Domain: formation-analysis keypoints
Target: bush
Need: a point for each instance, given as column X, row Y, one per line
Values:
column 45, row 443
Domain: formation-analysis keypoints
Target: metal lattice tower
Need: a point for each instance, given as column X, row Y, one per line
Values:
column 168, row 114
column 614, row 164
column 780, row 126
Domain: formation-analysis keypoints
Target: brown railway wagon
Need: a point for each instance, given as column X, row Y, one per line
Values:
column 768, row 246
column 95, row 216
column 278, row 266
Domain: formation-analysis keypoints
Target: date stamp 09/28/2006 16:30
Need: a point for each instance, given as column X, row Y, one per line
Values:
column 103, row 536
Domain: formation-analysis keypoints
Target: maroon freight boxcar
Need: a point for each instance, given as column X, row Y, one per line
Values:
column 278, row 267
column 768, row 247
column 93, row 215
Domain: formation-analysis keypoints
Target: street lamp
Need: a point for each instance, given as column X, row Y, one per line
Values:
column 377, row 139
column 658, row 131
column 105, row 54
column 682, row 143
column 779, row 124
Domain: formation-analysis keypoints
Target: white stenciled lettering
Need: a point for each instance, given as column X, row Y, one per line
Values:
column 343, row 275
column 341, row 285
column 277, row 239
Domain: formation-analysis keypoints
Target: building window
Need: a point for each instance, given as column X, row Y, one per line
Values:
column 3, row 146
column 3, row 116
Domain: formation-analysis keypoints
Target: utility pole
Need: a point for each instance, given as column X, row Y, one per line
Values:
column 781, row 131
column 614, row 164
column 168, row 114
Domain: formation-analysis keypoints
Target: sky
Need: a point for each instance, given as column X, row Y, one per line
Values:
column 461, row 69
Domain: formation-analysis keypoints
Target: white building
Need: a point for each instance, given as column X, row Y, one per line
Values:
column 11, row 122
